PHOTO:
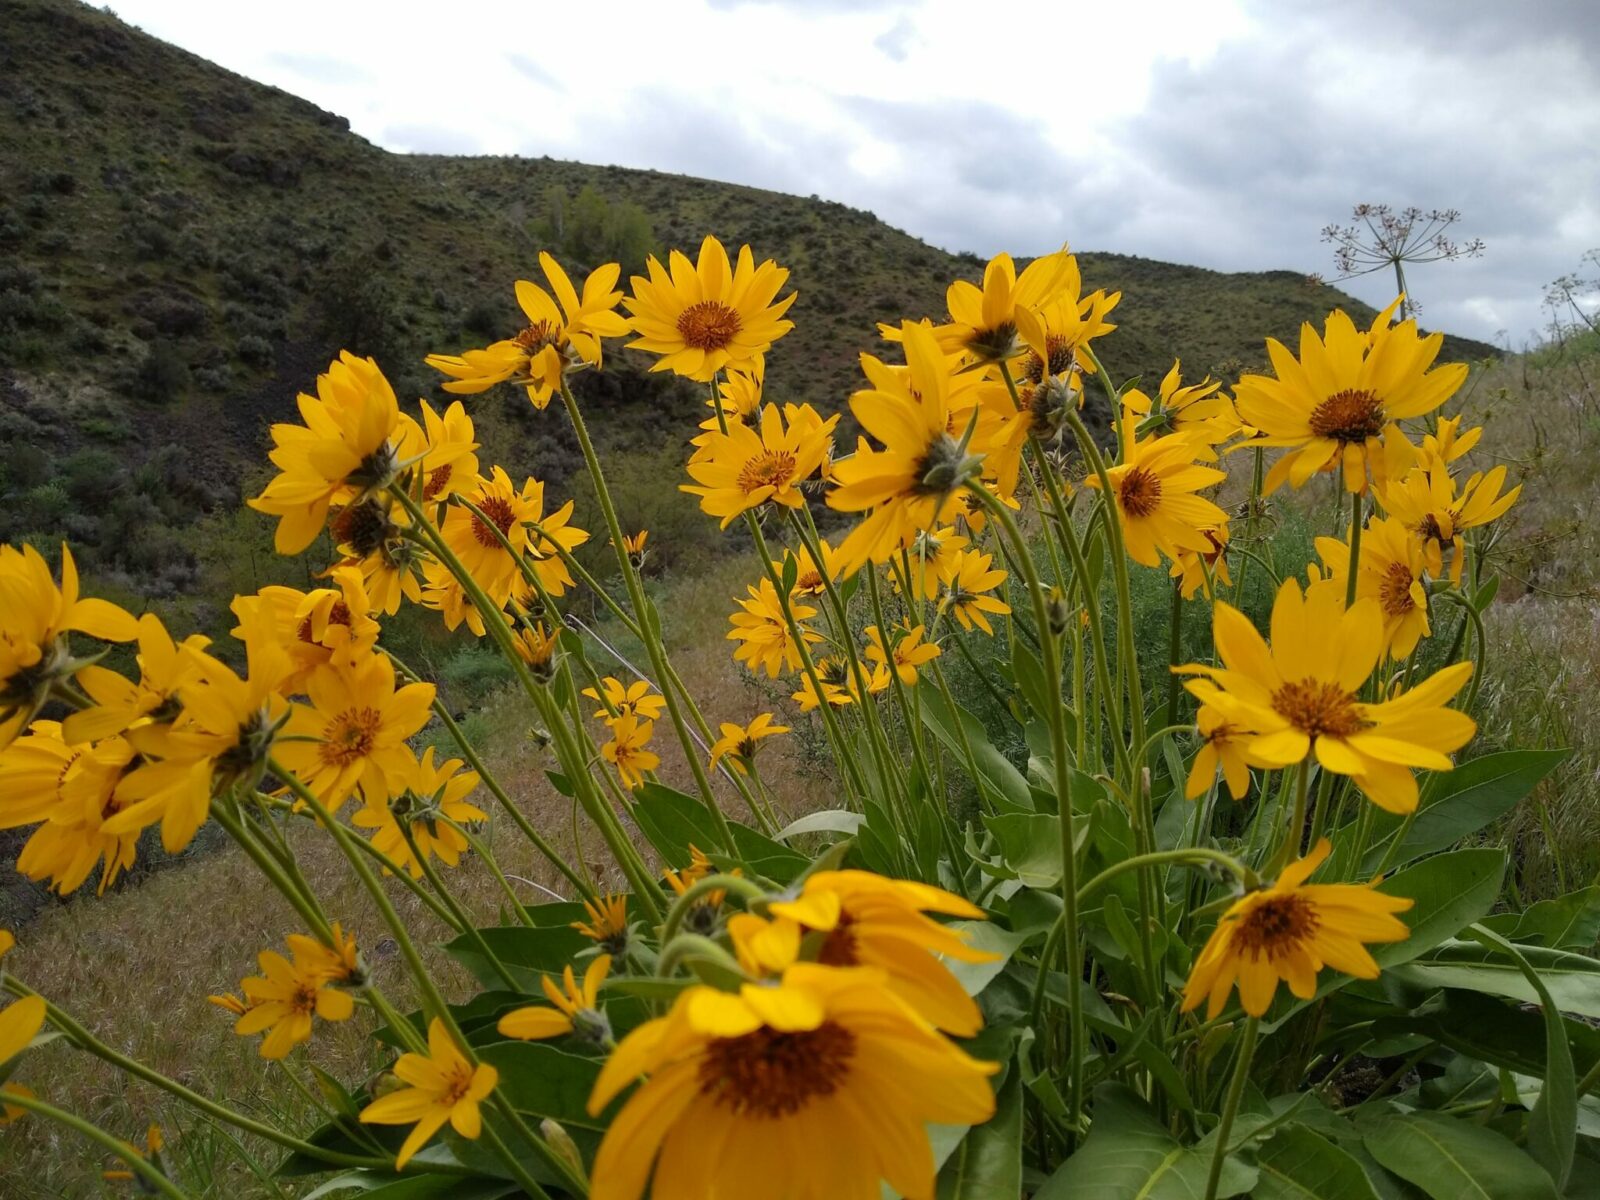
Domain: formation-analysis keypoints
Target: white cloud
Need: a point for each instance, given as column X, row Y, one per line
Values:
column 1223, row 134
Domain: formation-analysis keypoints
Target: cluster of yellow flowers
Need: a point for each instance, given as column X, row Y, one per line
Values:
column 824, row 1014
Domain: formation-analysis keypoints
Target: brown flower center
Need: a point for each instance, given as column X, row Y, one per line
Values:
column 999, row 342
column 1318, row 708
column 363, row 527
column 537, row 336
column 304, row 999
column 1429, row 530
column 773, row 1074
column 1061, row 359
column 339, row 614
column 708, row 325
column 770, row 468
column 1394, row 591
column 1140, row 492
column 1348, row 416
column 497, row 509
column 456, row 1085
column 438, row 480
column 350, row 736
column 840, row 948
column 1276, row 926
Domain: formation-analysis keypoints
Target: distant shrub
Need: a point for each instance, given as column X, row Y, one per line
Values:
column 163, row 375
column 255, row 351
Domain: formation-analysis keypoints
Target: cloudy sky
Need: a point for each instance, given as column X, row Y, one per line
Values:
column 1224, row 133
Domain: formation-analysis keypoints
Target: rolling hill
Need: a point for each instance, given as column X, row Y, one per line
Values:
column 182, row 249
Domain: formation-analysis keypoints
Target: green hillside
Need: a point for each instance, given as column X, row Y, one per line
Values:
column 182, row 249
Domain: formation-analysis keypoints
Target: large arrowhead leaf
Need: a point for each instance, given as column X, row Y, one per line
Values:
column 1573, row 980
column 1297, row 1164
column 1129, row 1155
column 988, row 1163
column 1456, row 1160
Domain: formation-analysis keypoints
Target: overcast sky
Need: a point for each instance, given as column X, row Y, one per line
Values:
column 1225, row 134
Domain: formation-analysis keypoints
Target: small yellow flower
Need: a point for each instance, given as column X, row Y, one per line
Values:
column 1154, row 489
column 35, row 617
column 968, row 587
column 838, row 682
column 1290, row 931
column 556, row 340
column 738, row 742
column 622, row 699
column 763, row 633
column 1199, row 412
column 1390, row 572
column 80, row 828
column 633, row 547
column 1223, row 745
column 1197, row 570
column 354, row 733
column 286, row 995
column 904, row 656
column 443, row 1086
column 627, row 749
column 446, row 445
column 1426, row 501
column 154, row 1143
column 809, row 579
column 537, row 646
column 709, row 315
column 608, row 922
column 746, row 467
column 994, row 321
column 430, row 794
column 343, row 453
column 574, row 1006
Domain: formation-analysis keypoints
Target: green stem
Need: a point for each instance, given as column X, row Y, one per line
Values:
column 1355, row 549
column 1174, row 649
column 137, row 1163
column 1230, row 1108
column 1295, row 830
column 463, row 920
column 734, row 885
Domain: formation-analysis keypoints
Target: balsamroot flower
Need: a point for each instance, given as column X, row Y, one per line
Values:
column 628, row 749
column 749, row 466
column 1221, row 745
column 120, row 703
column 763, row 634
column 1154, row 491
column 1426, row 501
column 621, row 699
column 1390, row 572
column 738, row 743
column 905, row 653
column 577, row 1008
column 824, row 1079
column 442, row 1086
column 1291, row 931
column 995, row 321
column 432, row 802
column 1337, row 403
column 284, row 998
column 706, row 316
column 343, row 452
column 35, row 617
column 1301, row 696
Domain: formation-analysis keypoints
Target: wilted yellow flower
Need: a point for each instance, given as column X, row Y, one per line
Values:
column 443, row 1086
column 824, row 1079
column 342, row 453
column 555, row 340
column 1301, row 696
column 1290, row 931
column 1334, row 404
column 627, row 749
column 763, row 634
column 35, row 617
column 574, row 1006
column 537, row 646
column 707, row 316
column 738, row 399
column 748, row 466
column 738, row 743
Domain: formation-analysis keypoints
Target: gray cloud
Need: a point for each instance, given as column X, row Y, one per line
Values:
column 896, row 41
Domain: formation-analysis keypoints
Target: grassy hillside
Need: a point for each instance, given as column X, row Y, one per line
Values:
column 181, row 249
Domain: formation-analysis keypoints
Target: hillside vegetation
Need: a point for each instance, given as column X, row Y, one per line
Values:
column 182, row 249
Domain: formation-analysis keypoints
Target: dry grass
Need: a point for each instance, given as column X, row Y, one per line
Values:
column 135, row 967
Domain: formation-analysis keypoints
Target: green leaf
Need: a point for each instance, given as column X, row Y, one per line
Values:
column 1553, row 1120
column 673, row 821
column 831, row 820
column 1129, row 1155
column 984, row 935
column 538, row 1078
column 526, row 953
column 1492, row 1031
column 1570, row 922
column 1463, row 801
column 1573, row 980
column 377, row 1185
column 1002, row 780
column 1455, row 1160
column 1030, row 846
column 988, row 1163
column 1297, row 1164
